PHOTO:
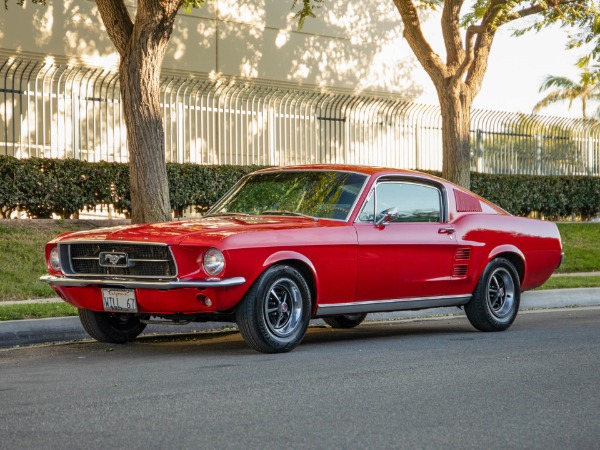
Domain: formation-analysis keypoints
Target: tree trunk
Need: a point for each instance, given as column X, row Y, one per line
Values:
column 140, row 87
column 139, row 77
column 142, row 47
column 455, row 104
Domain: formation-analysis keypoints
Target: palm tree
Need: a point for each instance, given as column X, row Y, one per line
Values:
column 588, row 89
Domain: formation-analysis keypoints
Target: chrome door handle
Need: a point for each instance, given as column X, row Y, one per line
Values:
column 446, row 231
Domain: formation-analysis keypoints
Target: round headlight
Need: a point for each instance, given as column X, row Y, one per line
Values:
column 214, row 262
column 54, row 259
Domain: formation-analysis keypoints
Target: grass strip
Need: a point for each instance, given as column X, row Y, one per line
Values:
column 36, row 311
column 22, row 256
column 571, row 282
column 581, row 244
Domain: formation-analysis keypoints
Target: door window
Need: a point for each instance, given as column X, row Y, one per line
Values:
column 414, row 202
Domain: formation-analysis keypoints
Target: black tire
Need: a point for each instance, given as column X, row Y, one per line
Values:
column 111, row 327
column 345, row 320
column 496, row 299
column 275, row 312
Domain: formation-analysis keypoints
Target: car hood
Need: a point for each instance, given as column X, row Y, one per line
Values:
column 191, row 231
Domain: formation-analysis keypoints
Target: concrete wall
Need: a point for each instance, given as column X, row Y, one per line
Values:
column 349, row 46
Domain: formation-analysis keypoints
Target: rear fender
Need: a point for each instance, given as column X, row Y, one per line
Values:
column 504, row 249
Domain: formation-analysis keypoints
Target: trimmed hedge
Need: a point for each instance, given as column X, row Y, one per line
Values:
column 553, row 197
column 41, row 187
column 201, row 186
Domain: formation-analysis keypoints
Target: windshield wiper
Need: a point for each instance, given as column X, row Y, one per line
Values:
column 227, row 214
column 288, row 213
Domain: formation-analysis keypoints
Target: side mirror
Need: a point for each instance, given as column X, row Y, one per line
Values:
column 387, row 216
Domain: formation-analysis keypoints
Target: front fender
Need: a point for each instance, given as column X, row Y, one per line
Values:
column 287, row 255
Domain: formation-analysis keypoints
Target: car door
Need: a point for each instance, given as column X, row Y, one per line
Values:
column 410, row 254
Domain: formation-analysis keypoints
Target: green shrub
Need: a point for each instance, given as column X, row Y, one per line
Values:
column 201, row 186
column 41, row 187
column 551, row 196
column 9, row 193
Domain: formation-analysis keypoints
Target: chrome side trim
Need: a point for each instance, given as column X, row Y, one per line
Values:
column 136, row 284
column 391, row 305
column 108, row 241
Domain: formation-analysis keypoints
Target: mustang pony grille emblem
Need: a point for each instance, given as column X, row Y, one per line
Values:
column 113, row 259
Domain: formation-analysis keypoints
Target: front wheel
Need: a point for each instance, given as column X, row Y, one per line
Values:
column 345, row 320
column 496, row 299
column 275, row 312
column 111, row 327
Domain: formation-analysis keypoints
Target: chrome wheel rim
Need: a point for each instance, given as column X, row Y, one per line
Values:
column 283, row 307
column 501, row 292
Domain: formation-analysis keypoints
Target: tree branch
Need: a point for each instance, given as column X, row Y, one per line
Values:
column 535, row 9
column 430, row 60
column 477, row 56
column 117, row 22
column 451, row 32
column 479, row 51
column 472, row 32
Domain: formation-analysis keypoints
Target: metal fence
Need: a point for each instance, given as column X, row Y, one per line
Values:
column 61, row 111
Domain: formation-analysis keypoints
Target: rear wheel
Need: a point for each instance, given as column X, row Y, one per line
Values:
column 345, row 320
column 111, row 327
column 274, row 314
column 496, row 299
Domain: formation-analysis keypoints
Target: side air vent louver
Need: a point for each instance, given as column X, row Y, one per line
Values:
column 460, row 270
column 463, row 254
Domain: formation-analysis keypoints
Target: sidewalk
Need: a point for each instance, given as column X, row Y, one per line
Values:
column 37, row 331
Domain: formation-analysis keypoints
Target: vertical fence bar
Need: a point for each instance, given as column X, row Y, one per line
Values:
column 248, row 123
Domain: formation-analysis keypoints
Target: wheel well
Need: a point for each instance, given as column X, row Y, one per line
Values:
column 516, row 261
column 306, row 273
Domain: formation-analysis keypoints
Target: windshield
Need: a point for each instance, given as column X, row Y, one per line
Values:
column 323, row 194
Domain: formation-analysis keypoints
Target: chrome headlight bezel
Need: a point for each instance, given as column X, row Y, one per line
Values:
column 213, row 262
column 54, row 259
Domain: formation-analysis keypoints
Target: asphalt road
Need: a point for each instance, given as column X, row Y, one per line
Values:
column 434, row 383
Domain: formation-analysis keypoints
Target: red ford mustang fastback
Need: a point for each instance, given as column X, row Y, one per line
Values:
column 289, row 244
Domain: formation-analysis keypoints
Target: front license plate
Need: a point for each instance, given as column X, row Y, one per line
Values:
column 119, row 300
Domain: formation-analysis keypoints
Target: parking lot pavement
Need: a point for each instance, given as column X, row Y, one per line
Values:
column 37, row 331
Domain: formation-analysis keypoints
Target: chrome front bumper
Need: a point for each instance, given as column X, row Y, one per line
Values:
column 136, row 284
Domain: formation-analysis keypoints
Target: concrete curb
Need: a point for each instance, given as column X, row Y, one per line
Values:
column 29, row 332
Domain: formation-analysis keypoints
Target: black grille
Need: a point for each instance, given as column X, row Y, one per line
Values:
column 152, row 261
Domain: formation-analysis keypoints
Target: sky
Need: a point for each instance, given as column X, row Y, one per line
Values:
column 518, row 66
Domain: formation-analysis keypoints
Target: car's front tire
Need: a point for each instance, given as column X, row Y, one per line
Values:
column 275, row 312
column 111, row 327
column 496, row 299
column 345, row 320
